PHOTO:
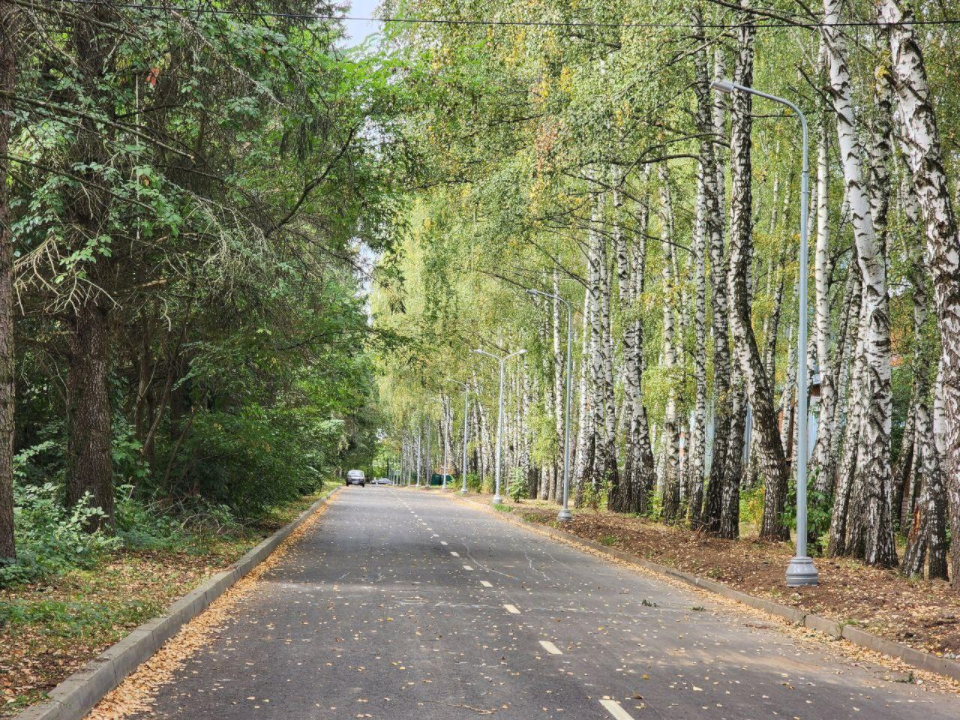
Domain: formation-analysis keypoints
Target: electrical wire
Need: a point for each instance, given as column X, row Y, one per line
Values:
column 503, row 23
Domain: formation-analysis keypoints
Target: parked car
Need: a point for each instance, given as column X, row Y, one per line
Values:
column 356, row 477
column 383, row 481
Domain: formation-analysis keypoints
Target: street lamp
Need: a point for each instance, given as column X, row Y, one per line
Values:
column 801, row 570
column 502, row 360
column 466, row 425
column 564, row 514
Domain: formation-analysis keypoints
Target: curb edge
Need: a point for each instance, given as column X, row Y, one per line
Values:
column 79, row 693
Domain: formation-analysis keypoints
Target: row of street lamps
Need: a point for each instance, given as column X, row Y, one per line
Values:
column 801, row 570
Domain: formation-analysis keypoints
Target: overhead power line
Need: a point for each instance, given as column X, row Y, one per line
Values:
column 774, row 24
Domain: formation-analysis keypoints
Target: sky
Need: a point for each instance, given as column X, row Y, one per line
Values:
column 358, row 30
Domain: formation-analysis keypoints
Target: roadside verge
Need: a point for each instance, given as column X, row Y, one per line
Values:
column 837, row 630
column 78, row 694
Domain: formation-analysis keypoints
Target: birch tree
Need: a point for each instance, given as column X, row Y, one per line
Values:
column 745, row 343
column 922, row 146
column 874, row 462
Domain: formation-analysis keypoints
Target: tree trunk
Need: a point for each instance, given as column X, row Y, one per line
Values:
column 671, row 441
column 837, row 544
column 706, row 173
column 874, row 452
column 639, row 472
column 89, row 462
column 921, row 141
column 733, row 471
column 8, row 71
column 822, row 455
column 559, row 388
column 585, row 436
column 722, row 400
column 741, row 239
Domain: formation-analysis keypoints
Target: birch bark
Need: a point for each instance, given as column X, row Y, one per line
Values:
column 874, row 462
column 921, row 142
column 748, row 355
column 722, row 400
column 706, row 174
column 671, row 434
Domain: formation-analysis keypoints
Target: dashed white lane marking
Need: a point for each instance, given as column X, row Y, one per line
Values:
column 550, row 647
column 512, row 610
column 614, row 708
column 485, row 583
column 429, row 529
column 443, row 542
column 467, row 567
column 455, row 553
column 434, row 535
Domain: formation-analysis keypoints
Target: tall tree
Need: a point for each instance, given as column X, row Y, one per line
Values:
column 9, row 28
column 772, row 460
column 875, row 390
column 922, row 145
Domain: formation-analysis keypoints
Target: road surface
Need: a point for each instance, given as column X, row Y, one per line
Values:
column 403, row 605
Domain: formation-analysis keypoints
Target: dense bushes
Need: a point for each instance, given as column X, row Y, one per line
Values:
column 50, row 537
column 250, row 460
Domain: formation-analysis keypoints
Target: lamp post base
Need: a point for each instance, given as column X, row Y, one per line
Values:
column 564, row 515
column 497, row 500
column 463, row 491
column 801, row 572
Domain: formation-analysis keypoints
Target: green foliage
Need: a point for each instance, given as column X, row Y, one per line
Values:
column 518, row 485
column 51, row 538
column 595, row 495
column 819, row 514
column 489, row 485
column 474, row 482
column 751, row 505
column 251, row 460
column 74, row 619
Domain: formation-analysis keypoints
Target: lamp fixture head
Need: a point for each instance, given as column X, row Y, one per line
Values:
column 724, row 86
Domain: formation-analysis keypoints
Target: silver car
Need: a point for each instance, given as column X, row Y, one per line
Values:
column 356, row 477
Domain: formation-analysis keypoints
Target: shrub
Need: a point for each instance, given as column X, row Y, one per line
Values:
column 51, row 538
column 251, row 460
column 489, row 484
column 518, row 485
column 751, row 505
column 474, row 482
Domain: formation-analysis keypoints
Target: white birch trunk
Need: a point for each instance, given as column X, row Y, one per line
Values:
column 879, row 548
column 921, row 142
column 671, row 479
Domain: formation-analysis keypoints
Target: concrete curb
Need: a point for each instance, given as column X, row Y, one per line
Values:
column 78, row 694
column 917, row 658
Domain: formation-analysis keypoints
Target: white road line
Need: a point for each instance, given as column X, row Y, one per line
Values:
column 613, row 707
column 512, row 610
column 467, row 567
column 443, row 542
column 550, row 647
column 485, row 583
column 455, row 553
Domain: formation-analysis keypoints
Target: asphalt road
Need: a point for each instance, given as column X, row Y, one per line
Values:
column 400, row 604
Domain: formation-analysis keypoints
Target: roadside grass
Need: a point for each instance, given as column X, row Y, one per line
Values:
column 50, row 629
